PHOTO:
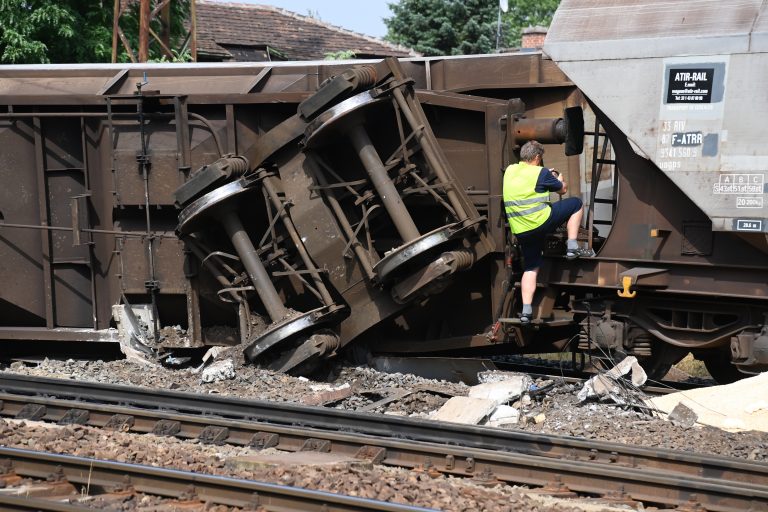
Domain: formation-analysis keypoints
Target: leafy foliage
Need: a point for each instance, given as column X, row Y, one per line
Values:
column 527, row 13
column 129, row 22
column 340, row 55
column 176, row 57
column 63, row 31
column 459, row 27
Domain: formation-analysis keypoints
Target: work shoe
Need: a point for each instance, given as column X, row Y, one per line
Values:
column 579, row 252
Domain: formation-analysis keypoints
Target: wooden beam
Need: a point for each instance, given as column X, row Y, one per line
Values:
column 165, row 48
column 162, row 4
column 164, row 7
column 144, row 11
column 115, row 26
column 193, row 28
column 126, row 44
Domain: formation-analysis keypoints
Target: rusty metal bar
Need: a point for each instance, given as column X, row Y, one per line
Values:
column 388, row 194
column 430, row 153
column 544, row 130
column 42, row 198
column 290, row 271
column 231, row 128
column 182, row 132
column 130, row 234
column 152, row 285
column 269, row 186
column 90, row 245
column 208, row 125
column 253, row 265
column 430, row 189
column 115, row 80
column 198, row 251
column 363, row 257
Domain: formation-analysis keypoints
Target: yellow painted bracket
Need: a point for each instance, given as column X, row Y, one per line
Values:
column 626, row 281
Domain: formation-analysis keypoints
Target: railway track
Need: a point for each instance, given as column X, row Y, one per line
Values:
column 68, row 483
column 654, row 476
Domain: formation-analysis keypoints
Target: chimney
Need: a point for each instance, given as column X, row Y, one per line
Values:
column 533, row 37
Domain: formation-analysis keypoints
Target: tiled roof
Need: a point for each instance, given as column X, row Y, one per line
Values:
column 295, row 37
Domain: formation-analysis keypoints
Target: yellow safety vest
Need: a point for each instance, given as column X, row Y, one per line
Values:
column 526, row 209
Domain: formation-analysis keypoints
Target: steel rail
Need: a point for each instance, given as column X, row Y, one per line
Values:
column 173, row 483
column 484, row 465
column 651, row 475
column 390, row 426
column 385, row 450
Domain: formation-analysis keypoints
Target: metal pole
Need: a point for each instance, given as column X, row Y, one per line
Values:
column 389, row 195
column 151, row 284
column 253, row 265
column 593, row 184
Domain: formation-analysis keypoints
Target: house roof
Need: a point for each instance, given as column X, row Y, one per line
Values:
column 222, row 26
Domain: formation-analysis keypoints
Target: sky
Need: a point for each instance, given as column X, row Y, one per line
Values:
column 364, row 16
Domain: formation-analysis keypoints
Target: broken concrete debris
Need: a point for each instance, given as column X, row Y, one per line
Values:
column 609, row 386
column 682, row 416
column 223, row 369
column 326, row 394
column 503, row 416
column 487, row 403
column 502, row 391
column 465, row 409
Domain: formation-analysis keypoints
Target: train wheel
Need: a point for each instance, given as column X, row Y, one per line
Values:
column 718, row 364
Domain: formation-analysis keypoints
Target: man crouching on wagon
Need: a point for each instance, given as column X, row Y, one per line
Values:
column 531, row 217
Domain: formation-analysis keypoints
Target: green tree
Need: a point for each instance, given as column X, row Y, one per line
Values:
column 64, row 31
column 443, row 27
column 459, row 27
column 526, row 13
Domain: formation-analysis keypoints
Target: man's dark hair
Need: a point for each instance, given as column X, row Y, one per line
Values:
column 530, row 149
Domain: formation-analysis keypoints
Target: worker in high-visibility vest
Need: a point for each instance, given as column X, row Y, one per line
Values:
column 531, row 217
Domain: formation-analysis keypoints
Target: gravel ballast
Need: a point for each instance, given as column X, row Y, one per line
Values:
column 561, row 412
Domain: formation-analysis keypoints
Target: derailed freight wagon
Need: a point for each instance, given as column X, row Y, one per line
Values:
column 298, row 208
column 289, row 207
